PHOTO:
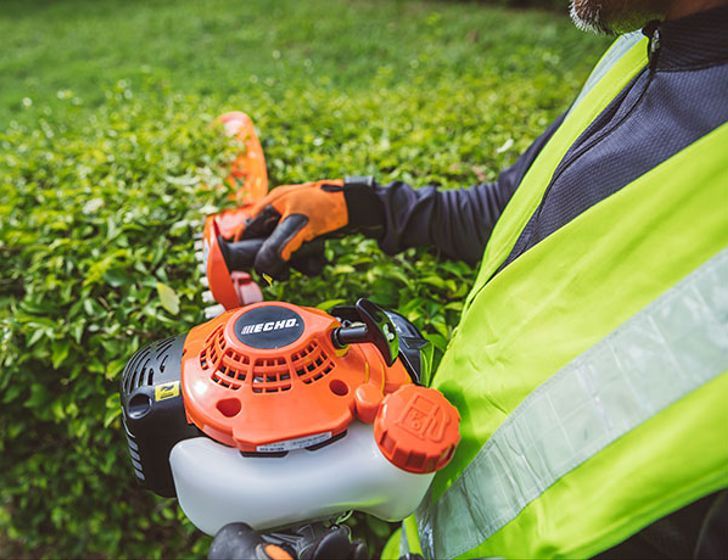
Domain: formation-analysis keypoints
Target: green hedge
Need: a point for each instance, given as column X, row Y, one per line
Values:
column 98, row 214
column 97, row 202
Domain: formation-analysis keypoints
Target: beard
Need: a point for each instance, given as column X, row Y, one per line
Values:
column 609, row 17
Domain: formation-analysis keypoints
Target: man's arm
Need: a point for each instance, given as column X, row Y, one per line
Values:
column 292, row 221
column 456, row 222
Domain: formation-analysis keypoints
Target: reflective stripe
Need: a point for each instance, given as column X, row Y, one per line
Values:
column 618, row 49
column 403, row 543
column 670, row 348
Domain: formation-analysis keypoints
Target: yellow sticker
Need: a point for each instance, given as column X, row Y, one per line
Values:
column 166, row 391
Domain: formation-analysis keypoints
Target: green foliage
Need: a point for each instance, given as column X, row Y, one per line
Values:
column 108, row 165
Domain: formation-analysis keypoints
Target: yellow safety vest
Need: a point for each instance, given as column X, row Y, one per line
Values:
column 590, row 373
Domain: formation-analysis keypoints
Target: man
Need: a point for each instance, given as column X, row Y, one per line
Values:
column 589, row 365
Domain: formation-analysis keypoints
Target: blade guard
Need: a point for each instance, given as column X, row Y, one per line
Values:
column 248, row 177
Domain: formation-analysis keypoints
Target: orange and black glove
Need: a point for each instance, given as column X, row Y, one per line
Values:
column 292, row 221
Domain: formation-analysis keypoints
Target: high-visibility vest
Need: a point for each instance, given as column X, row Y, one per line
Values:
column 590, row 373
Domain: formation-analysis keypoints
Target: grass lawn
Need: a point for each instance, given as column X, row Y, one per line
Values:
column 66, row 52
column 105, row 151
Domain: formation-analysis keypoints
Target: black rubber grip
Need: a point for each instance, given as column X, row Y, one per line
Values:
column 240, row 255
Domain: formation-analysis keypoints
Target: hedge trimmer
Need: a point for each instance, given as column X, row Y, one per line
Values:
column 279, row 418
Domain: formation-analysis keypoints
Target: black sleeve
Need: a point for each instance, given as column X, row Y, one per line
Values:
column 456, row 222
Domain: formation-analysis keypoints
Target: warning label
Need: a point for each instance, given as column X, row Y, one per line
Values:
column 297, row 443
column 166, row 391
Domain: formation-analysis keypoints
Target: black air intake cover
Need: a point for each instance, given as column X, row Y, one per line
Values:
column 153, row 412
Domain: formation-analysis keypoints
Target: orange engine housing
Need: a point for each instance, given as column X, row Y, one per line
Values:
column 267, row 378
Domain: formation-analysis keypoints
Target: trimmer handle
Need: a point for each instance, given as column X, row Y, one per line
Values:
column 240, row 255
column 314, row 541
column 366, row 322
column 238, row 541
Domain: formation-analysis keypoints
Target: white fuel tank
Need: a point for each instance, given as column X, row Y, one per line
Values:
column 217, row 485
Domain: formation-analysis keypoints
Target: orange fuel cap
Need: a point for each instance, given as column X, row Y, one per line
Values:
column 417, row 429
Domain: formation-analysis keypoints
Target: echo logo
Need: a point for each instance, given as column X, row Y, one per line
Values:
column 269, row 326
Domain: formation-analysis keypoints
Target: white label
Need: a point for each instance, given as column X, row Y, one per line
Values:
column 291, row 444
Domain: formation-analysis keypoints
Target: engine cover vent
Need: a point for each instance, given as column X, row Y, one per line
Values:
column 146, row 364
column 231, row 368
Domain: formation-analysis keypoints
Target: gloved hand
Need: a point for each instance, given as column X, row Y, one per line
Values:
column 238, row 541
column 336, row 543
column 293, row 220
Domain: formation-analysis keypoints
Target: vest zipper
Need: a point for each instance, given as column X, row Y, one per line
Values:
column 652, row 32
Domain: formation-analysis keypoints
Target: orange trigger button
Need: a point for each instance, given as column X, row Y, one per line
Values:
column 275, row 552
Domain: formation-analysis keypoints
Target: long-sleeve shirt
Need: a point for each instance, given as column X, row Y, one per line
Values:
column 678, row 98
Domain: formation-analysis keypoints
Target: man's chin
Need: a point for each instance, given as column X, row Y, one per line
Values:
column 587, row 15
column 610, row 17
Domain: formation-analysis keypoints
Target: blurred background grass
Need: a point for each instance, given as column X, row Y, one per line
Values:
column 105, row 148
column 57, row 53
